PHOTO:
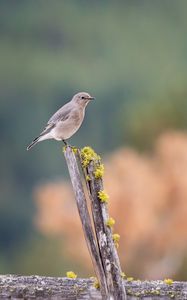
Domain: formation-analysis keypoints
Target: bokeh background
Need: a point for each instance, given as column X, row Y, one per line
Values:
column 132, row 56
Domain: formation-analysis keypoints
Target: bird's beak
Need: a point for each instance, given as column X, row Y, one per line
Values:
column 91, row 98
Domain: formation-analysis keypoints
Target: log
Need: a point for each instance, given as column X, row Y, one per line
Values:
column 57, row 288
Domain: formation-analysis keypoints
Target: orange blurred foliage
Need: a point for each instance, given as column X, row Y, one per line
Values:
column 148, row 194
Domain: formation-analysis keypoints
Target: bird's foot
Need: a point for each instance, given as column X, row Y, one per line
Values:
column 68, row 145
column 65, row 142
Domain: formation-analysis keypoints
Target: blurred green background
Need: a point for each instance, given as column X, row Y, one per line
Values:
column 131, row 55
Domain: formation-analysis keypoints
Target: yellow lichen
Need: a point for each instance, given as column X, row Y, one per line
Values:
column 103, row 196
column 74, row 150
column 129, row 279
column 110, row 222
column 64, row 148
column 157, row 292
column 96, row 283
column 168, row 281
column 71, row 274
column 116, row 238
column 87, row 155
column 88, row 178
column 99, row 171
column 123, row 275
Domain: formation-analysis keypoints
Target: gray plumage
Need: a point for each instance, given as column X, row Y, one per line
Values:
column 66, row 121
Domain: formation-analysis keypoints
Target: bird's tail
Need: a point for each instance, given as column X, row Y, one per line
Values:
column 34, row 142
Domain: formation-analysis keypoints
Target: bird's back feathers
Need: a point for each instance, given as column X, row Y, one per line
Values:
column 61, row 114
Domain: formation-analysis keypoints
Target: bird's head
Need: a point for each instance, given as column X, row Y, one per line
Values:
column 82, row 98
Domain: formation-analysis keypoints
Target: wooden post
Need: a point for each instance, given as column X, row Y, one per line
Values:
column 85, row 219
column 102, row 249
column 106, row 245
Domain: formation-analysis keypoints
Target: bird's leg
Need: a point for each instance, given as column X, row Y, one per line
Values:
column 66, row 144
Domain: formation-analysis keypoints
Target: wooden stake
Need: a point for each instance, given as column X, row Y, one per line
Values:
column 99, row 239
column 85, row 219
column 105, row 242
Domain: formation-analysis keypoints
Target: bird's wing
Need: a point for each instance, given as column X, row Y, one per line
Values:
column 61, row 115
column 47, row 129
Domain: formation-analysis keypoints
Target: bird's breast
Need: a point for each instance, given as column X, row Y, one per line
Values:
column 65, row 129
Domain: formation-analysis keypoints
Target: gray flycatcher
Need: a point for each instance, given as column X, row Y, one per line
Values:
column 66, row 121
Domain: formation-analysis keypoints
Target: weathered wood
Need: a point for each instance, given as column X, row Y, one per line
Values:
column 107, row 248
column 85, row 219
column 105, row 251
column 56, row 288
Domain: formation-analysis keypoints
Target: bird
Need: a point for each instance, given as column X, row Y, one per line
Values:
column 66, row 121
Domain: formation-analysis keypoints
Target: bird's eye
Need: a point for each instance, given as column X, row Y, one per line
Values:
column 82, row 97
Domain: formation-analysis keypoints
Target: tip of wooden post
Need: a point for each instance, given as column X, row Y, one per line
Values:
column 69, row 148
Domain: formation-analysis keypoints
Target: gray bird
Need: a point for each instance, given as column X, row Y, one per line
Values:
column 66, row 121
